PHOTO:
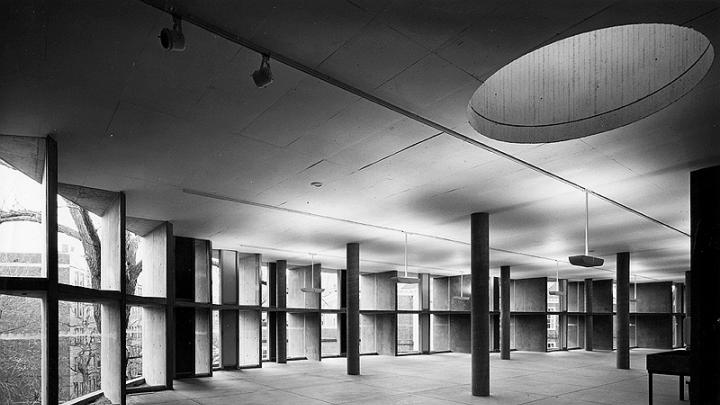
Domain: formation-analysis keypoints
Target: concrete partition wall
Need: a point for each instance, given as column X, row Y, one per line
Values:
column 378, row 334
column 459, row 333
column 456, row 284
column 248, row 276
column 653, row 318
column 440, row 294
column 378, row 291
column 602, row 308
column 440, row 330
column 303, row 336
column 249, row 350
column 530, row 332
column 203, row 342
column 528, row 295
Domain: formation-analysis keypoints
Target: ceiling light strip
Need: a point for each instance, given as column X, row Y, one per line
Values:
column 390, row 106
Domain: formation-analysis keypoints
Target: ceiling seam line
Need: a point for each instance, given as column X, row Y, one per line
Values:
column 400, row 110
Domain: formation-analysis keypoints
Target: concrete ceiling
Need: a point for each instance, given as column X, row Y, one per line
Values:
column 171, row 128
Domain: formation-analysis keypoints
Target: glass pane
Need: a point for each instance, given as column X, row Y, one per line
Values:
column 265, row 337
column 329, row 281
column 78, row 245
column 408, row 333
column 554, row 295
column 79, row 349
column 264, row 285
column 216, row 346
column 20, row 349
column 22, row 232
column 439, row 333
column 215, row 274
column 330, row 341
column 133, row 263
column 133, row 339
column 553, row 333
column 575, row 336
column 408, row 296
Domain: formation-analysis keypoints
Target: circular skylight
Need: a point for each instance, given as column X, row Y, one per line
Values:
column 590, row 83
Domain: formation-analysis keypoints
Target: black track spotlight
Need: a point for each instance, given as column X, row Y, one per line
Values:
column 263, row 76
column 173, row 39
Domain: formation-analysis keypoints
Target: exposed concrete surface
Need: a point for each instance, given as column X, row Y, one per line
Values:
column 575, row 377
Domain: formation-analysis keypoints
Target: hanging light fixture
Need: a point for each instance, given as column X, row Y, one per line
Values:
column 462, row 296
column 557, row 290
column 586, row 260
column 312, row 289
column 263, row 76
column 173, row 39
column 405, row 279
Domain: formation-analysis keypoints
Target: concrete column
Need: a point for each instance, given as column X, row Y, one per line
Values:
column 623, row 310
column 705, row 300
column 281, row 316
column 505, row 312
column 479, row 315
column 589, row 314
column 352, row 291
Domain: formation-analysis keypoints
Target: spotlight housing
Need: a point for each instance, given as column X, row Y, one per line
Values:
column 263, row 76
column 173, row 39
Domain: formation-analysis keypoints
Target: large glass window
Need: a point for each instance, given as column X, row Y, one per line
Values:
column 133, row 342
column 216, row 277
column 575, row 332
column 216, row 345
column 22, row 232
column 133, row 259
column 264, row 290
column 79, row 349
column 20, row 349
column 79, row 245
column 329, row 280
column 408, row 333
column 554, row 330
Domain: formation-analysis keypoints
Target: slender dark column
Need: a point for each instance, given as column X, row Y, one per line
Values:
column 505, row 312
column 479, row 315
column 589, row 314
column 352, row 289
column 705, row 300
column 686, row 309
column 496, row 319
column 271, row 315
column 281, row 316
column 623, row 310
column 50, row 350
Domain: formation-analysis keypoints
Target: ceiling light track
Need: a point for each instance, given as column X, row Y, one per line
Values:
column 402, row 111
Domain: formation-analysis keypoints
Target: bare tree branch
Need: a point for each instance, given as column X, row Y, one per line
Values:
column 33, row 216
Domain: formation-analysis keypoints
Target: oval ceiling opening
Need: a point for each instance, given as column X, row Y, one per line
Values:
column 590, row 83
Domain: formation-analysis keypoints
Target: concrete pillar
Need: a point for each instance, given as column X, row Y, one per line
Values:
column 479, row 315
column 622, row 295
column 589, row 314
column 281, row 316
column 352, row 291
column 705, row 300
column 112, row 313
column 505, row 312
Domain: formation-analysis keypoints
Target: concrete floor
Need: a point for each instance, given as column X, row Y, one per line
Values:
column 575, row 377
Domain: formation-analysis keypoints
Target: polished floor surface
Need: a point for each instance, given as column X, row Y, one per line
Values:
column 575, row 377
